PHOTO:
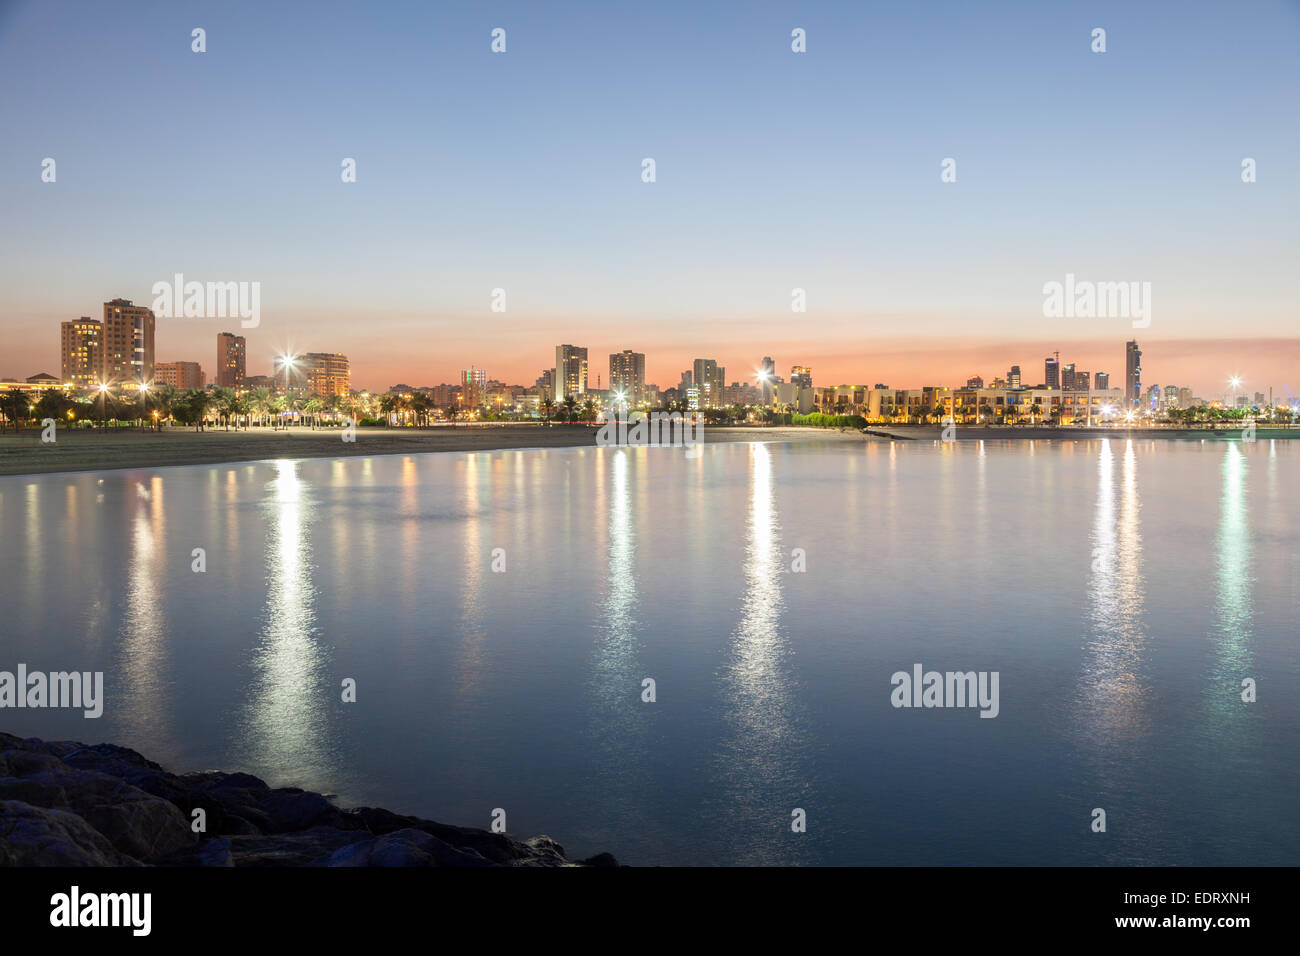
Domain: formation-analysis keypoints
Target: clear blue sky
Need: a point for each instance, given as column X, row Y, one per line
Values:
column 775, row 170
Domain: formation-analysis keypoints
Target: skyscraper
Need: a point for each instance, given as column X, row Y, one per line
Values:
column 1052, row 372
column 81, row 351
column 1013, row 377
column 767, row 379
column 1132, row 374
column 627, row 375
column 327, row 373
column 473, row 386
column 128, row 342
column 570, row 371
column 801, row 376
column 1067, row 377
column 231, row 360
column 709, row 378
column 1103, row 381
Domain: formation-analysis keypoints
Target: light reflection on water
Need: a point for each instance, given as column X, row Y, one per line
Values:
column 1112, row 690
column 1122, row 588
column 284, row 720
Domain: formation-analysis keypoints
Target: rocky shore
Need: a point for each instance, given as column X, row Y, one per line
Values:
column 71, row 804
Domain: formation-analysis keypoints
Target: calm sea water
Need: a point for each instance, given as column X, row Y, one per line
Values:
column 1121, row 590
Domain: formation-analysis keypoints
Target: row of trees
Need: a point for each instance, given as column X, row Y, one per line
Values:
column 162, row 403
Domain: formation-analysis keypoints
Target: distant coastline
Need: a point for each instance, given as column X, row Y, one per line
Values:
column 92, row 450
column 1078, row 432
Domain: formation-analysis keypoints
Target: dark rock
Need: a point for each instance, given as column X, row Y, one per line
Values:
column 37, row 836
column 290, row 849
column 63, row 803
column 402, row 848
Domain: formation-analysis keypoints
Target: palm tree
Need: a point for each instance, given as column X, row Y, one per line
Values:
column 421, row 404
column 192, row 407
column 389, row 404
column 589, row 410
column 275, row 405
column 14, row 404
column 332, row 405
column 164, row 399
column 548, row 406
column 223, row 400
column 570, row 406
column 259, row 403
column 312, row 407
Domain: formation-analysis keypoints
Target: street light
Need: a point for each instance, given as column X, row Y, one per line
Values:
column 288, row 362
column 103, row 404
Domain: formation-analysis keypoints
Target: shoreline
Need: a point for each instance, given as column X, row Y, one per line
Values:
column 125, row 449
column 87, row 450
column 64, row 803
column 1076, row 433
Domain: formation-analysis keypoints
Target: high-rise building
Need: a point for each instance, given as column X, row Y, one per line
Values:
column 1082, row 381
column 81, row 350
column 627, row 375
column 1132, row 374
column 1013, row 377
column 570, row 371
column 709, row 378
column 128, row 342
column 1052, row 372
column 975, row 381
column 1067, row 377
column 232, row 357
column 801, row 376
column 473, row 387
column 1170, row 396
column 1103, row 381
column 327, row 373
column 319, row 374
column 181, row 375
column 767, row 379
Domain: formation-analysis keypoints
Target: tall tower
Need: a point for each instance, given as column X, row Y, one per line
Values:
column 128, row 342
column 1052, row 371
column 231, row 360
column 627, row 375
column 570, row 371
column 708, row 379
column 767, row 369
column 473, row 386
column 1132, row 374
column 81, row 351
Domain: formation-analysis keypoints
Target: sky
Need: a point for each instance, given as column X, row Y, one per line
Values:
column 775, row 170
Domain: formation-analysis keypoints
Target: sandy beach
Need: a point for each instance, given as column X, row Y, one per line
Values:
column 86, row 450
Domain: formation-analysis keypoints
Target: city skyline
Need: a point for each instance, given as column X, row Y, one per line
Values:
column 76, row 367
column 86, row 361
